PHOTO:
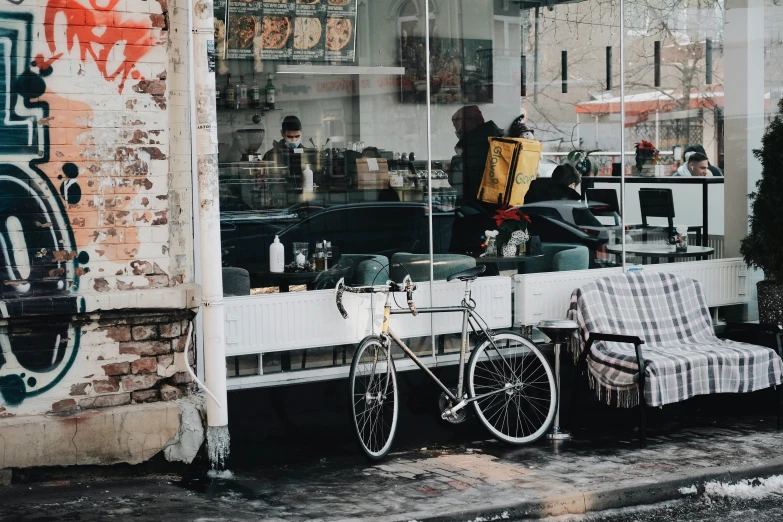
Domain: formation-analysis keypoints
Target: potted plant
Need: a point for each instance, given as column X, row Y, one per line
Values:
column 645, row 153
column 763, row 247
column 512, row 231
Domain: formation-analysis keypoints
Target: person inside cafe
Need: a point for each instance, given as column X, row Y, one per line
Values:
column 473, row 134
column 715, row 171
column 696, row 164
column 562, row 185
column 289, row 150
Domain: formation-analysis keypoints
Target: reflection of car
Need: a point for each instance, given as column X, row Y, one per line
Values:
column 567, row 221
column 358, row 228
column 546, row 167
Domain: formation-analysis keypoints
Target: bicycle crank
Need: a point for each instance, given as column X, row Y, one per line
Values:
column 446, row 405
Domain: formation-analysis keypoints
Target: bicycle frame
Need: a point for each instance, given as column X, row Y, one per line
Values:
column 468, row 319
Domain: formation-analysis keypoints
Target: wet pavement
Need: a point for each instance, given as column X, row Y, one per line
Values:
column 294, row 458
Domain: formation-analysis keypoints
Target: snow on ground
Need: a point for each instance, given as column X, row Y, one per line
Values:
column 745, row 489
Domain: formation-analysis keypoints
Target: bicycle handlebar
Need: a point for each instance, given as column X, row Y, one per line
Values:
column 407, row 286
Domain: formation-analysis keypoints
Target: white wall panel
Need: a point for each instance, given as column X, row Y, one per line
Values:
column 295, row 320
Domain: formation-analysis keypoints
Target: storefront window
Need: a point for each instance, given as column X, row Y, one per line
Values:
column 361, row 134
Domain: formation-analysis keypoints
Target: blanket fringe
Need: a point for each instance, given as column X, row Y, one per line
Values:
column 622, row 398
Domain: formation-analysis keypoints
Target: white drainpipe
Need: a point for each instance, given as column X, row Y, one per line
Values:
column 205, row 149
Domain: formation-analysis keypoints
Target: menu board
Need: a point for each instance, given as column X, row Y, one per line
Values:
column 242, row 27
column 309, row 41
column 341, row 31
column 277, row 29
column 306, row 30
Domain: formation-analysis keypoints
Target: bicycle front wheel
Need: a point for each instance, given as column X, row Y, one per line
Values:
column 374, row 401
column 514, row 388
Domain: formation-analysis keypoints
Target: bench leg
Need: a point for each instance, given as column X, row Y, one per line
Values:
column 643, row 421
column 572, row 405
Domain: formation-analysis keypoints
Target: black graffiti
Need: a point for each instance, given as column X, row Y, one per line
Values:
column 37, row 248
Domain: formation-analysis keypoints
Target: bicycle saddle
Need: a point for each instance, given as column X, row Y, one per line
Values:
column 469, row 274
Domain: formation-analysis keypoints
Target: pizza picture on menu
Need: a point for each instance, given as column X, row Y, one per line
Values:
column 276, row 1
column 339, row 2
column 275, row 32
column 308, row 2
column 338, row 33
column 307, row 33
column 241, row 31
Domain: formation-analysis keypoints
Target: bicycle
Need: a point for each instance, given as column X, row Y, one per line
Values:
column 509, row 381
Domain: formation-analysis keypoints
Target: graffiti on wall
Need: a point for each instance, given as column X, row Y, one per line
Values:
column 37, row 251
column 43, row 195
column 100, row 32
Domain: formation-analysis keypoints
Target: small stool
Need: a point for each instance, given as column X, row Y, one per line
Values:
column 558, row 331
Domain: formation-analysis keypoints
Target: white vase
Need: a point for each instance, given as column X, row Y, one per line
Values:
column 509, row 250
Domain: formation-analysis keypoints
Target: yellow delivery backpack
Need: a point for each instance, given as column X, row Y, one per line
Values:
column 512, row 163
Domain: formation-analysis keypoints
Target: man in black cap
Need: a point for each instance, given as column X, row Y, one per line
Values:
column 288, row 151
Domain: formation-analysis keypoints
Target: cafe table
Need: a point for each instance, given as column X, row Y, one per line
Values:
column 520, row 261
column 285, row 280
column 705, row 182
column 655, row 252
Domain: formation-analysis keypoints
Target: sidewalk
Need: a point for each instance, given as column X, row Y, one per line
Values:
column 478, row 481
column 294, row 457
column 491, row 481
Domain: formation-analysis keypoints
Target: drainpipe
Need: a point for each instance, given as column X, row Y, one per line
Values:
column 205, row 149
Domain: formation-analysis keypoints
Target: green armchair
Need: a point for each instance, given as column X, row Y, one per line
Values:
column 558, row 257
column 418, row 266
column 368, row 269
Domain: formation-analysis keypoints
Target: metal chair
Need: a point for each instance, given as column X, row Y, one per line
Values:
column 655, row 202
column 609, row 198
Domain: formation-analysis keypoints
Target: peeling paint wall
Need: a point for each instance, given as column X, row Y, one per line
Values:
column 95, row 202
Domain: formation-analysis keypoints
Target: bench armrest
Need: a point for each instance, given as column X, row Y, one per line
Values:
column 617, row 338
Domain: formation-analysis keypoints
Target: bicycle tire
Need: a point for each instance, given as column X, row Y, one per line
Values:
column 523, row 412
column 374, row 397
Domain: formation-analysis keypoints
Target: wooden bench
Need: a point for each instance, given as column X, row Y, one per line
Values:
column 660, row 323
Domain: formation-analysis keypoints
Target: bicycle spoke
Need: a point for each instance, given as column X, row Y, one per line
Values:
column 374, row 398
column 512, row 388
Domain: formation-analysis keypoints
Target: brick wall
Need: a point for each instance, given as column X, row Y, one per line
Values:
column 95, row 203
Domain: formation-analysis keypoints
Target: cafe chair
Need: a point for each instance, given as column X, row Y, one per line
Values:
column 558, row 257
column 418, row 266
column 236, row 281
column 368, row 269
column 658, row 203
column 609, row 198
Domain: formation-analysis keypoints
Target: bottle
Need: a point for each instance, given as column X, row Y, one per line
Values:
column 230, row 95
column 276, row 257
column 270, row 93
column 328, row 249
column 242, row 93
column 307, row 179
column 217, row 97
column 320, row 257
column 255, row 94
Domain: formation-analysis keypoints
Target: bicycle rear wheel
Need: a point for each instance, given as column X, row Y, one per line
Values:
column 374, row 401
column 515, row 387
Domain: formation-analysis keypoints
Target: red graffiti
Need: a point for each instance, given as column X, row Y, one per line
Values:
column 100, row 32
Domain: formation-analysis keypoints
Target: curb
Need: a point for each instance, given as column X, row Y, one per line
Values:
column 599, row 500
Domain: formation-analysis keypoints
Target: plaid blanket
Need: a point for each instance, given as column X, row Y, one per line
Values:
column 683, row 357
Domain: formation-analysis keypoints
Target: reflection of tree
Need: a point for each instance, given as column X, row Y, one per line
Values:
column 585, row 29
